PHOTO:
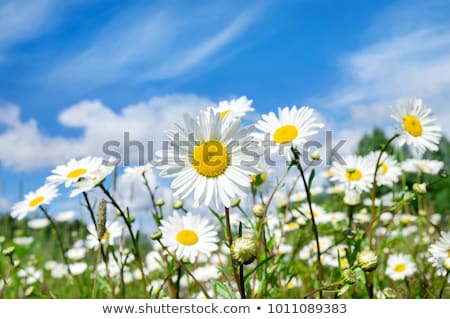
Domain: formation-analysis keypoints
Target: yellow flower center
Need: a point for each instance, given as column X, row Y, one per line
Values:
column 448, row 253
column 36, row 201
column 412, row 125
column 329, row 173
column 292, row 225
column 353, row 174
column 384, row 168
column 260, row 178
column 344, row 262
column 187, row 237
column 406, row 219
column 224, row 113
column 285, row 134
column 210, row 158
column 106, row 236
column 76, row 173
column 313, row 214
column 290, row 285
column 400, row 268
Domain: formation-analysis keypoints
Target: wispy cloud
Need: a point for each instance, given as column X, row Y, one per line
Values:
column 157, row 42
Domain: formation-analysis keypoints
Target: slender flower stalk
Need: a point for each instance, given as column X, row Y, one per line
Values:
column 229, row 235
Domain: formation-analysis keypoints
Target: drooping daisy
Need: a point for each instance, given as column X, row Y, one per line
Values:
column 74, row 170
column 422, row 166
column 113, row 231
column 42, row 196
column 400, row 266
column 417, row 125
column 355, row 173
column 439, row 252
column 211, row 157
column 188, row 235
column 236, row 107
column 289, row 129
column 389, row 170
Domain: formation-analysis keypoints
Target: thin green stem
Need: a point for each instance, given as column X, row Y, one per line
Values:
column 229, row 235
column 444, row 284
column 320, row 289
column 241, row 280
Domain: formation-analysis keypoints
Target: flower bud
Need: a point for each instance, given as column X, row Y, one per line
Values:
column 243, row 250
column 443, row 173
column 236, row 203
column 2, row 239
column 178, row 204
column 367, row 260
column 29, row 291
column 160, row 202
column 315, row 156
column 352, row 197
column 420, row 189
column 258, row 210
column 9, row 251
column 389, row 293
column 349, row 277
column 131, row 218
column 156, row 235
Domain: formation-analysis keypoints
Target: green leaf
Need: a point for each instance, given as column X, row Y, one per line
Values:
column 257, row 267
column 311, row 178
column 221, row 290
column 103, row 283
column 343, row 290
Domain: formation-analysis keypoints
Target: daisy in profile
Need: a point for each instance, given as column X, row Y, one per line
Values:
column 113, row 231
column 236, row 107
column 94, row 179
column 400, row 266
column 439, row 252
column 74, row 170
column 416, row 125
column 355, row 172
column 42, row 196
column 389, row 170
column 289, row 128
column 137, row 171
column 188, row 236
column 212, row 158
column 431, row 167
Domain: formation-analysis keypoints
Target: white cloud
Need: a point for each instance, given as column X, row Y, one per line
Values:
column 160, row 42
column 25, row 147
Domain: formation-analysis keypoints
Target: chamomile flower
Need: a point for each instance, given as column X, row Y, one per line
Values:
column 208, row 159
column 137, row 171
column 42, row 196
column 113, row 231
column 439, row 252
column 431, row 167
column 76, row 253
column 38, row 223
column 289, row 129
column 389, row 170
column 23, row 241
column 400, row 266
column 78, row 268
column 59, row 271
column 188, row 235
column 320, row 215
column 74, row 170
column 65, row 216
column 417, row 125
column 355, row 173
column 263, row 180
column 94, row 179
column 236, row 107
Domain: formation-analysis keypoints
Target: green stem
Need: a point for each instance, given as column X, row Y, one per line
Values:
column 444, row 284
column 229, row 235
column 241, row 280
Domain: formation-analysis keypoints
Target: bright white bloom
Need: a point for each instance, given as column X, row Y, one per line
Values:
column 416, row 125
column 422, row 166
column 113, row 231
column 310, row 250
column 76, row 253
column 78, row 268
column 336, row 217
column 405, row 219
column 23, row 241
column 75, row 170
column 289, row 129
column 352, row 197
column 236, row 107
column 65, row 216
column 30, row 274
column 188, row 235
column 94, row 179
column 137, row 171
column 59, row 271
column 50, row 264
column 42, row 196
column 154, row 261
column 38, row 223
column 320, row 215
column 355, row 173
column 439, row 252
column 389, row 170
column 208, row 159
column 400, row 266
column 207, row 273
column 291, row 283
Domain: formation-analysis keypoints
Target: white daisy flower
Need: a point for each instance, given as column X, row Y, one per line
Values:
column 38, row 223
column 417, row 125
column 188, row 235
column 208, row 159
column 320, row 215
column 76, row 253
column 78, row 268
column 400, row 266
column 389, row 170
column 59, row 271
column 431, row 167
column 154, row 261
column 42, row 196
column 65, row 216
column 31, row 274
column 94, row 179
column 113, row 231
column 50, row 264
column 439, row 252
column 207, row 273
column 355, row 173
column 263, row 179
column 23, row 241
column 74, row 170
column 289, row 129
column 236, row 107
column 310, row 250
column 137, row 171
column 336, row 217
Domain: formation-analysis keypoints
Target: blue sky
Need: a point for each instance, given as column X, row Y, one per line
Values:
column 77, row 72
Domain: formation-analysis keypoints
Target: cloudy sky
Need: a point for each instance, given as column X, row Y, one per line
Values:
column 77, row 73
